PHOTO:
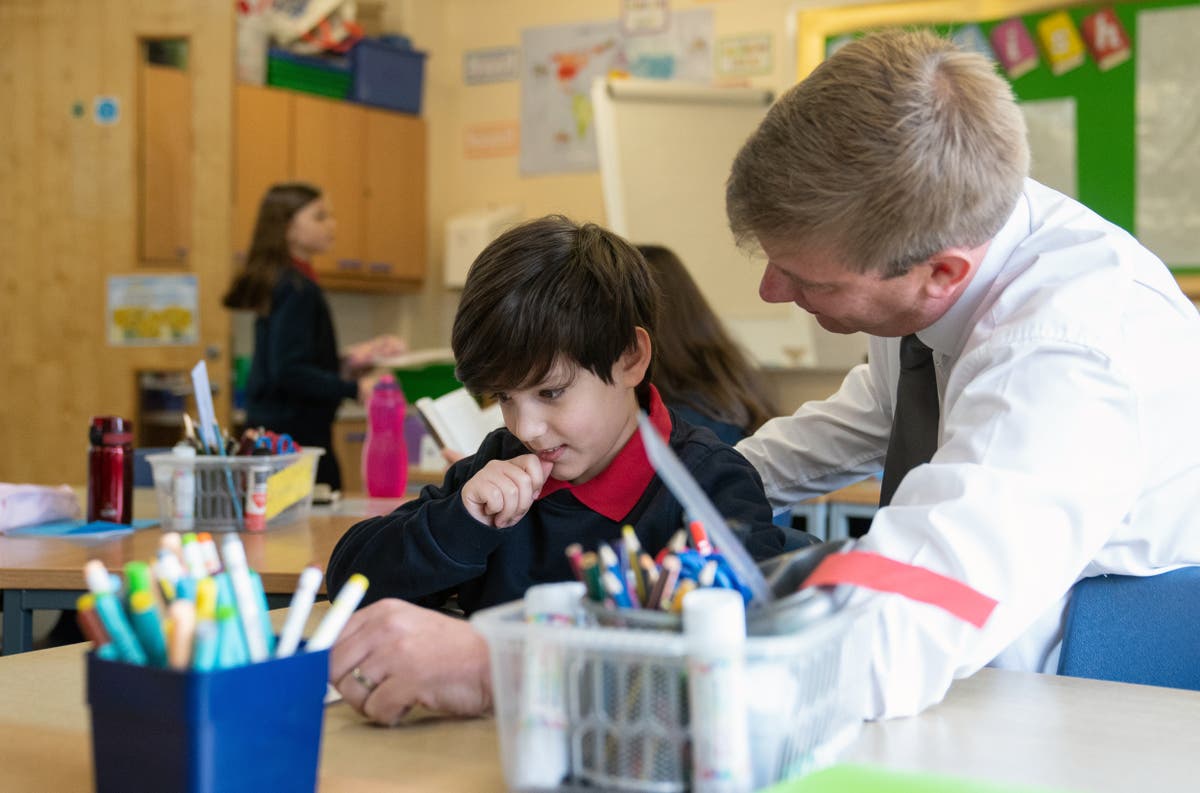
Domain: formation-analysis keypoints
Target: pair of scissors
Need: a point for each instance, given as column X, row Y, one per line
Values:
column 275, row 444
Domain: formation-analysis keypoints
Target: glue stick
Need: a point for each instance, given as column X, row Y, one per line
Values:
column 714, row 623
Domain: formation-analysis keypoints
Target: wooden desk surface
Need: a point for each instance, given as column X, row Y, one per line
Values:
column 865, row 492
column 278, row 554
column 1010, row 727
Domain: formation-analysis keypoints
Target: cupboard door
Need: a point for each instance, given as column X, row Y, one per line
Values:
column 262, row 155
column 328, row 139
column 165, row 171
column 394, row 243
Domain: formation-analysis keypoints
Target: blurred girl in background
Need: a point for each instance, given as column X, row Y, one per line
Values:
column 297, row 377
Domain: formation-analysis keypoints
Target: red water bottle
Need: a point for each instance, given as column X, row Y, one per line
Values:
column 110, row 470
column 385, row 456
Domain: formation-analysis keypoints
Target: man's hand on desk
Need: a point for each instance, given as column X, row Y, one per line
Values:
column 393, row 655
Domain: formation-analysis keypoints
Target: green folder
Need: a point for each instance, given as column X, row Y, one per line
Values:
column 860, row 779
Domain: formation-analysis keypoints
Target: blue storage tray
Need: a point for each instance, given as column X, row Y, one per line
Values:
column 387, row 76
column 245, row 729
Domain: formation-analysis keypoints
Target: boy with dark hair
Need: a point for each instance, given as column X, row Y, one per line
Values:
column 555, row 323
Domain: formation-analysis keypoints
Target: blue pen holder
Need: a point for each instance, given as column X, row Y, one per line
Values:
column 248, row 728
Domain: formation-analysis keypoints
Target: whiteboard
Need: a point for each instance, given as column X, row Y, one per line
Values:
column 665, row 151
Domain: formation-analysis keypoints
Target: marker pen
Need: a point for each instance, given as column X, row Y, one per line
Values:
column 139, row 578
column 590, row 564
column 243, row 593
column 111, row 613
column 143, row 613
column 232, row 649
column 183, row 630
column 169, row 570
column 700, row 538
column 268, row 632
column 204, row 647
column 615, row 589
column 208, row 552
column 339, row 613
column 171, row 542
column 93, row 629
column 193, row 557
column 298, row 611
column 663, row 591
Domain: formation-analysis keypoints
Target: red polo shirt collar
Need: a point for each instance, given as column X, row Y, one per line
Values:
column 305, row 268
column 615, row 490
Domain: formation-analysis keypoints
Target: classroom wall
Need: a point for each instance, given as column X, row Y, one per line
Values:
column 449, row 28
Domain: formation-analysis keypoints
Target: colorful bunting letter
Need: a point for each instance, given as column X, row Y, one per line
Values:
column 1014, row 48
column 1106, row 39
column 1061, row 42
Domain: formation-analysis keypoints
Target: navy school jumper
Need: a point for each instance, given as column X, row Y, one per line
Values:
column 431, row 548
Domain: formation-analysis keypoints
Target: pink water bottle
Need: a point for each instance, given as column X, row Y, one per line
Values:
column 385, row 457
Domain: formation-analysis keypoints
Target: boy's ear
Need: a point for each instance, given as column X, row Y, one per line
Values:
column 632, row 365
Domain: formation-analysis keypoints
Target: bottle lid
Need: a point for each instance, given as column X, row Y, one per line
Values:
column 184, row 449
column 110, row 431
column 386, row 380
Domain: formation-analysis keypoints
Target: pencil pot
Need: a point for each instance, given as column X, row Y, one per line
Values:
column 588, row 706
column 248, row 728
column 234, row 493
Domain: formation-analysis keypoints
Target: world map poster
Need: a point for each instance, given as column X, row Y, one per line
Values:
column 560, row 62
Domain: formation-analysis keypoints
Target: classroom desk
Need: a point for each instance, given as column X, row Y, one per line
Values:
column 1010, row 727
column 47, row 573
column 828, row 516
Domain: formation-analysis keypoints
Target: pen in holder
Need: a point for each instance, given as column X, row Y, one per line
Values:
column 240, row 730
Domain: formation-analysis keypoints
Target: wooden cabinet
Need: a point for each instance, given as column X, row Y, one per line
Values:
column 165, row 167
column 328, row 153
column 394, row 245
column 262, row 155
column 369, row 163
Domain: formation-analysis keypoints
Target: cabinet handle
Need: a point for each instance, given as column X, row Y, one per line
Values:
column 356, row 437
column 380, row 267
column 349, row 264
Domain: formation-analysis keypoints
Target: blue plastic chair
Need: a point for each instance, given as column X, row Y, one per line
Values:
column 1135, row 629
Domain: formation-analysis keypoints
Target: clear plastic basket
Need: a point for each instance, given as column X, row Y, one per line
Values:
column 625, row 696
column 216, row 482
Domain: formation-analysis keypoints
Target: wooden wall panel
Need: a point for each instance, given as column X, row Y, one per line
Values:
column 68, row 207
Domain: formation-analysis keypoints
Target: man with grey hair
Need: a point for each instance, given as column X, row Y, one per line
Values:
column 1032, row 368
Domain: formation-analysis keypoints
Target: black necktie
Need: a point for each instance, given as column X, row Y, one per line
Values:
column 915, row 420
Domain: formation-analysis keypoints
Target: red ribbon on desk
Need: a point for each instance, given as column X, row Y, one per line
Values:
column 870, row 570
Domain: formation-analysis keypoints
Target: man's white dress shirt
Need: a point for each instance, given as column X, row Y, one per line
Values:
column 1069, row 446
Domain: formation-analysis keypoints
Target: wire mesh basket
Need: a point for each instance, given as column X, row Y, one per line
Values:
column 212, row 493
column 619, row 716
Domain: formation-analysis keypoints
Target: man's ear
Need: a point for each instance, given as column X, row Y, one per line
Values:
column 950, row 270
column 632, row 365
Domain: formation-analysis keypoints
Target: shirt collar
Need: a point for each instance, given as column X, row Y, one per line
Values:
column 948, row 334
column 305, row 269
column 615, row 490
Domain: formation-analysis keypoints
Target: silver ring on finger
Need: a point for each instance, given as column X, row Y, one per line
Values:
column 364, row 681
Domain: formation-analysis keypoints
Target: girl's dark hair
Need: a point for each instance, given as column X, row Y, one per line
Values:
column 546, row 289
column 696, row 363
column 269, row 257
